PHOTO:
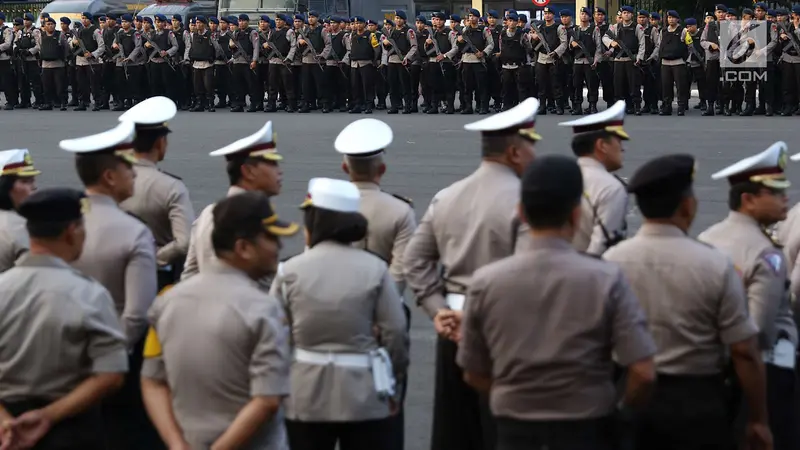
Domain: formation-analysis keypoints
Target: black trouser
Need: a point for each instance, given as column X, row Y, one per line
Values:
column 651, row 86
column 366, row 435
column 281, row 80
column 127, row 425
column 182, row 83
column 53, row 86
column 222, row 80
column 338, row 85
column 71, row 81
column 424, row 82
column 245, row 82
column 777, row 84
column 110, row 81
column 790, row 78
column 399, row 85
column 161, row 79
column 698, row 76
column 9, row 82
column 443, row 83
column 687, row 413
column 781, row 386
column 512, row 87
column 549, row 82
column 204, row 86
column 314, row 84
column 129, row 82
column 475, row 82
column 461, row 417
column 89, row 80
column 627, row 81
column 588, row 434
column 494, row 75
column 674, row 77
column 766, row 87
column 362, row 86
column 713, row 85
column 584, row 74
column 381, row 84
column 30, row 81
column 605, row 71
column 414, row 75
column 565, row 78
column 82, row 432
column 263, row 79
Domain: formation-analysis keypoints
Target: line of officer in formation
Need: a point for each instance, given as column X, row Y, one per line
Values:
column 241, row 351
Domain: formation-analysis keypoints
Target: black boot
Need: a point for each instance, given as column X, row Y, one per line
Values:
column 666, row 110
column 637, row 109
column 646, row 109
column 291, row 106
column 81, row 107
column 709, row 110
column 305, row 109
column 749, row 109
column 542, row 110
column 593, row 108
column 681, row 109
column 451, row 108
column 768, row 110
column 760, row 109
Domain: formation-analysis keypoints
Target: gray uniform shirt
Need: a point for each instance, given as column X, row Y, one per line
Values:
column 57, row 328
column 543, row 324
column 14, row 239
column 789, row 236
column 8, row 41
column 335, row 295
column 233, row 348
column 469, row 224
column 119, row 252
column 637, row 53
column 604, row 206
column 391, row 224
column 162, row 202
column 764, row 271
column 694, row 300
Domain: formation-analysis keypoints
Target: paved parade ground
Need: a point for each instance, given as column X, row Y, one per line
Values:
column 429, row 152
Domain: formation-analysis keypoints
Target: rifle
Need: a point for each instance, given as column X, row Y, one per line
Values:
column 790, row 34
column 435, row 47
column 240, row 52
column 218, row 48
column 628, row 53
column 472, row 46
column 157, row 52
column 122, row 54
column 693, row 52
column 736, row 42
column 581, row 47
column 274, row 50
column 84, row 51
column 336, row 57
column 310, row 48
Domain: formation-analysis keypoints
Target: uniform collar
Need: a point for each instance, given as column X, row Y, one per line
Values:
column 367, row 185
column 101, row 199
column 235, row 190
column 30, row 260
column 144, row 162
column 221, row 267
column 586, row 161
column 660, row 229
column 549, row 243
column 496, row 168
column 743, row 219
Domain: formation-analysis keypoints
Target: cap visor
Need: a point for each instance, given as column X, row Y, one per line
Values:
column 29, row 173
column 619, row 132
column 126, row 155
column 777, row 184
column 272, row 156
column 282, row 228
column 531, row 134
column 306, row 203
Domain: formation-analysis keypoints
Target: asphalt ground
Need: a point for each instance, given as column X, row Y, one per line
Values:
column 428, row 153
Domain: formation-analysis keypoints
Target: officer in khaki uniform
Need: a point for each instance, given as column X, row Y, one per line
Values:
column 391, row 217
column 347, row 328
column 119, row 253
column 61, row 345
column 598, row 146
column 469, row 224
column 225, row 371
column 789, row 237
column 539, row 327
column 17, row 181
column 160, row 199
column 757, row 199
column 252, row 165
column 697, row 311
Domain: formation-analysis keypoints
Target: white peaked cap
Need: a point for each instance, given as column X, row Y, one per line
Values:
column 766, row 168
column 364, row 137
column 610, row 120
column 154, row 113
column 519, row 119
column 261, row 144
column 118, row 140
column 17, row 162
column 334, row 195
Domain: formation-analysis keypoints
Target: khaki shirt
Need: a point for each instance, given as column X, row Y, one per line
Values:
column 119, row 252
column 543, row 324
column 201, row 252
column 693, row 299
column 162, row 202
column 469, row 224
column 391, row 224
column 334, row 296
column 233, row 347
column 604, row 205
column 57, row 328
column 764, row 271
column 789, row 237
column 14, row 239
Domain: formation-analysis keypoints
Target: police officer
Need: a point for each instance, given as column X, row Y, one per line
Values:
column 598, row 145
column 696, row 308
column 63, row 329
column 628, row 49
column 515, row 44
column 71, row 81
column 232, row 359
column 53, row 52
column 696, row 63
column 200, row 51
column 88, row 65
column 583, row 46
column 474, row 43
column 442, row 50
column 364, row 49
column 790, row 67
column 281, row 46
column 399, row 52
column 164, row 46
column 129, row 64
column 17, row 182
column 120, row 254
column 222, row 71
column 650, row 85
column 160, row 199
column 672, row 50
column 494, row 65
column 709, row 40
column 757, row 199
column 252, row 165
column 555, row 392
column 344, row 373
column 7, row 78
column 312, row 45
column 550, row 40
column 468, row 225
column 26, row 49
column 245, row 47
column 334, row 51
column 603, row 59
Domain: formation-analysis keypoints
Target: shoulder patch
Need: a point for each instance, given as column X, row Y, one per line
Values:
column 172, row 175
column 774, row 261
column 405, row 199
column 152, row 346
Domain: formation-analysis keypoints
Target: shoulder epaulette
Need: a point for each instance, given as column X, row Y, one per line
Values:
column 172, row 175
column 135, row 217
column 378, row 256
column 405, row 199
column 621, row 180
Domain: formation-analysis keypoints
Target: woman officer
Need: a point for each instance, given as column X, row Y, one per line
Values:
column 17, row 182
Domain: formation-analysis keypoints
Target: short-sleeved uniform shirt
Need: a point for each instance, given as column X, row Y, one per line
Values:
column 14, row 239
